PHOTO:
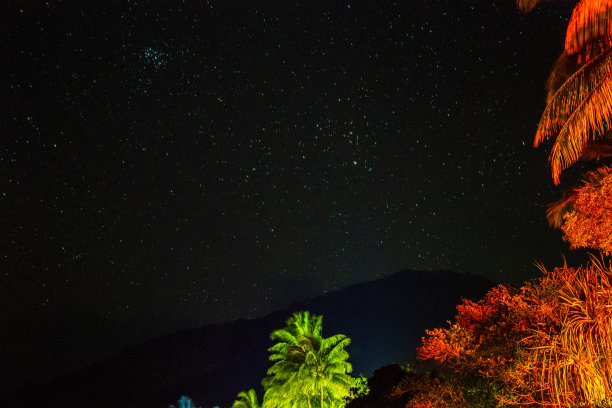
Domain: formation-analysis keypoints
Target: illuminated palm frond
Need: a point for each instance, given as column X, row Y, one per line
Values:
column 564, row 68
column 572, row 92
column 579, row 111
column 589, row 121
column 527, row 5
column 598, row 150
column 556, row 210
column 246, row 399
column 579, row 97
column 590, row 25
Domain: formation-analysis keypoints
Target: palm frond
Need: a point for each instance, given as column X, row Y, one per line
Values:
column 589, row 121
column 338, row 340
column 556, row 210
column 591, row 22
column 339, row 367
column 309, row 342
column 527, row 5
column 564, row 67
column 304, row 323
column 574, row 90
column 284, row 335
column 596, row 151
column 246, row 399
column 280, row 347
column 337, row 351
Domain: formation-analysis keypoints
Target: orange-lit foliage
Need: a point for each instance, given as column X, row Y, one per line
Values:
column 585, row 215
column 568, row 363
column 579, row 102
column 527, row 5
column 547, row 344
column 482, row 338
column 590, row 25
column 591, row 22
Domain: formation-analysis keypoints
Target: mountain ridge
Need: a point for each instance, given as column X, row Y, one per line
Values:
column 385, row 319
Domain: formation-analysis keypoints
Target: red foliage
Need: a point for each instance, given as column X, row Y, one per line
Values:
column 547, row 344
column 483, row 337
column 589, row 222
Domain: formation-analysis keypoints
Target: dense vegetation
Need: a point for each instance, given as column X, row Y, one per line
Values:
column 548, row 343
column 578, row 114
column 545, row 344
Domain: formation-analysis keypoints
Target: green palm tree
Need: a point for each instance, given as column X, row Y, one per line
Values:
column 246, row 399
column 329, row 371
column 309, row 370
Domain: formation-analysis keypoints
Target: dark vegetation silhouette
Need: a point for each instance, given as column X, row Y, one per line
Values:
column 385, row 320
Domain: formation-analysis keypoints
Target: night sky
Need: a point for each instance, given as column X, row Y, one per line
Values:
column 168, row 164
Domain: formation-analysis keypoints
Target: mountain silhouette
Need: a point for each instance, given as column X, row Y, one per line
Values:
column 385, row 319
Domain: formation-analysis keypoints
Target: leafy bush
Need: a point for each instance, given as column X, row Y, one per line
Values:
column 547, row 343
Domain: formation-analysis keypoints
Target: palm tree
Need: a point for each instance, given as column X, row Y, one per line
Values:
column 309, row 370
column 579, row 102
column 246, row 399
column 330, row 371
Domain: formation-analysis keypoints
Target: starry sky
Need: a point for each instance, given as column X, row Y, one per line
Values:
column 168, row 164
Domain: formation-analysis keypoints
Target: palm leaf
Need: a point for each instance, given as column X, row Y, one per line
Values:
column 596, row 151
column 589, row 121
column 337, row 352
column 279, row 348
column 246, row 399
column 333, row 341
column 564, row 67
column 568, row 97
column 309, row 342
column 556, row 210
column 283, row 335
column 527, row 5
column 591, row 22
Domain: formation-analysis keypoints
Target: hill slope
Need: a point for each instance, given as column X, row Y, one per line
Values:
column 384, row 318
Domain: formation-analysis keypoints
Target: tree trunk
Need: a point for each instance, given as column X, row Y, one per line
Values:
column 321, row 387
